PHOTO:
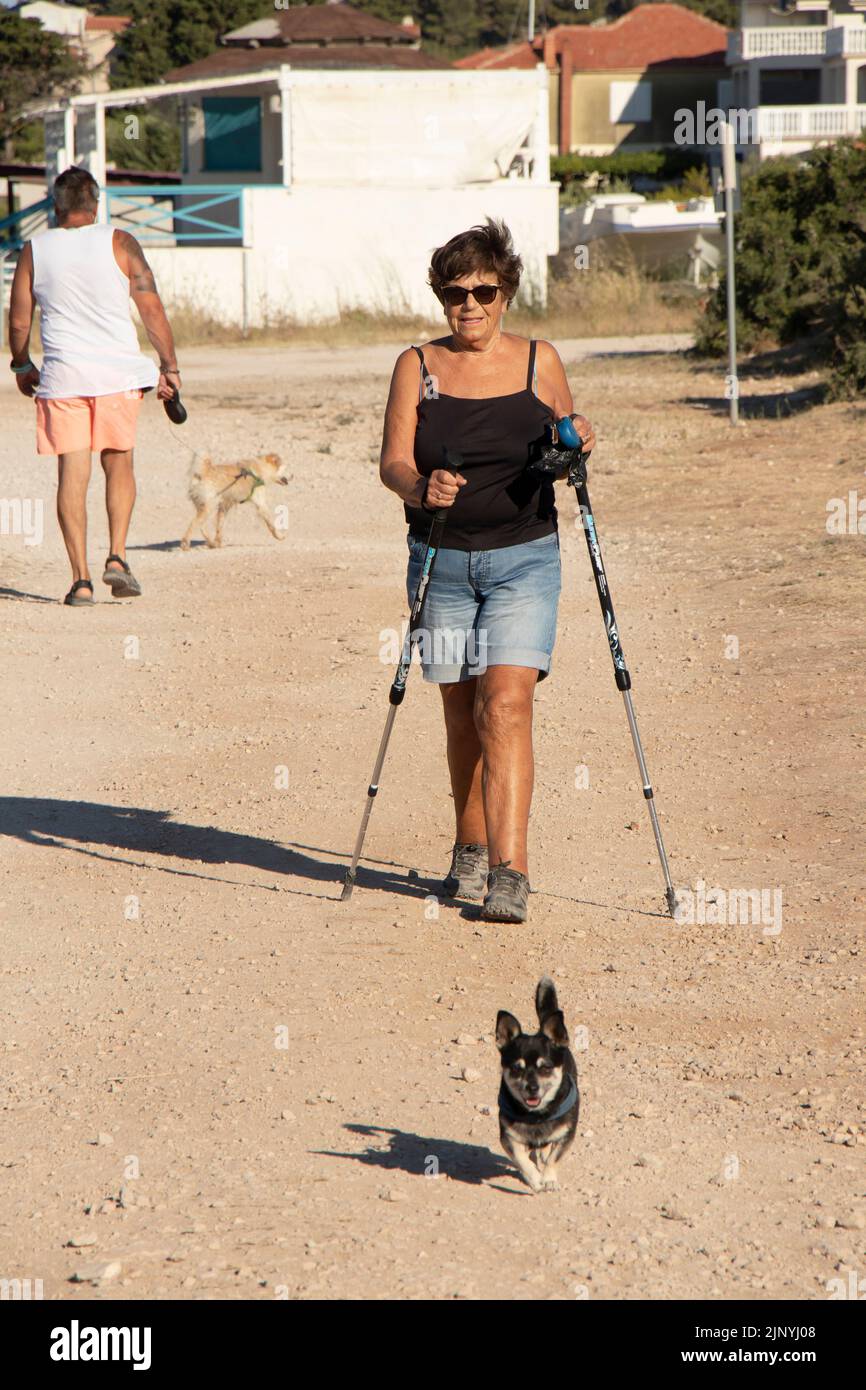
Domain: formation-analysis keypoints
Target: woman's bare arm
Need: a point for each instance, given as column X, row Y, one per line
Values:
column 397, row 462
column 554, row 390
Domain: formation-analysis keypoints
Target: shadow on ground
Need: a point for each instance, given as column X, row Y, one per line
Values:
column 774, row 405
column 87, row 827
column 168, row 545
column 413, row 1153
column 794, row 360
column 28, row 598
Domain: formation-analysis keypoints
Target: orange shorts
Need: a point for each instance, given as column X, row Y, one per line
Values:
column 87, row 422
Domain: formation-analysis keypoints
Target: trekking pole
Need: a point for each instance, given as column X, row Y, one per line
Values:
column 577, row 479
column 452, row 462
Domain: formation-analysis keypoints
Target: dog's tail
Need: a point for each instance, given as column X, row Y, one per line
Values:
column 546, row 1002
column 550, row 1019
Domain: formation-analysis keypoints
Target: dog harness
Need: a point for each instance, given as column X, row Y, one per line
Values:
column 531, row 1117
column 244, row 473
column 257, row 481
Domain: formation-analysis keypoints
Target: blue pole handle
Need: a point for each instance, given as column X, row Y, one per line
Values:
column 568, row 435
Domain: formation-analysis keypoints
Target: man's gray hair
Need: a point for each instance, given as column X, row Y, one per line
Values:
column 75, row 190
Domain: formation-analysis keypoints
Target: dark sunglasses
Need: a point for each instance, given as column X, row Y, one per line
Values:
column 454, row 295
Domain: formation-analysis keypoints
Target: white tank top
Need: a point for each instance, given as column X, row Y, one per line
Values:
column 90, row 347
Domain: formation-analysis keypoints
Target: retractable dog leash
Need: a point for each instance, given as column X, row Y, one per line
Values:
column 453, row 463
column 175, row 408
column 177, row 413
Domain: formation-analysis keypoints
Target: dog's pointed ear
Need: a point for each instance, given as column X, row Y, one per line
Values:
column 553, row 1027
column 507, row 1028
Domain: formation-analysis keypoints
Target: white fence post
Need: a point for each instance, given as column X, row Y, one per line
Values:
column 285, row 86
column 541, row 129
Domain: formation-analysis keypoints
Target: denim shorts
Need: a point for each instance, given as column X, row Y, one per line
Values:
column 487, row 608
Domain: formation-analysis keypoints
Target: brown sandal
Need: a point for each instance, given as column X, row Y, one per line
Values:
column 73, row 601
column 122, row 582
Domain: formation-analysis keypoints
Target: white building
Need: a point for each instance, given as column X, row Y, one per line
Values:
column 359, row 174
column 800, row 67
column 91, row 36
column 324, row 155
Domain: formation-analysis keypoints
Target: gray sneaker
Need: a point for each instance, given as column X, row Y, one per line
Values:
column 468, row 873
column 507, row 894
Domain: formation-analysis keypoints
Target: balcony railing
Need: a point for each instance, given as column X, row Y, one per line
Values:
column 20, row 226
column 842, row 41
column 809, row 122
column 778, row 42
column 845, row 41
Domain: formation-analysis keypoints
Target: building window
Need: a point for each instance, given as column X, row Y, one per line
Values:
column 630, row 103
column 790, row 87
column 232, row 134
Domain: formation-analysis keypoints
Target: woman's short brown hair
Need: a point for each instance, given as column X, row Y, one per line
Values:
column 487, row 248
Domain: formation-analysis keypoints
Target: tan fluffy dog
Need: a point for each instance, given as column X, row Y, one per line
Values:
column 217, row 487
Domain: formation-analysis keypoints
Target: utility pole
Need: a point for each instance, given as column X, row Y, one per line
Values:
column 729, row 181
column 531, row 24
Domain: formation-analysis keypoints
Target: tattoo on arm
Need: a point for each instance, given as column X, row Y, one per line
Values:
column 141, row 278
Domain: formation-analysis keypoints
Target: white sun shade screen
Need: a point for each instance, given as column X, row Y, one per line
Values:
column 432, row 129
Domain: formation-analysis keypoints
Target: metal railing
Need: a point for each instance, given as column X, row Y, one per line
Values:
column 173, row 213
column 20, row 226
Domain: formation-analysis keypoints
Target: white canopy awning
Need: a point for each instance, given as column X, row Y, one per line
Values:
column 441, row 128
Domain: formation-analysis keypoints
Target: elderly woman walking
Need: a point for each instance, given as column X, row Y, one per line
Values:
column 490, row 616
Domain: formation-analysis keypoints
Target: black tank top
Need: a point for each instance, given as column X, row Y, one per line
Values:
column 501, row 503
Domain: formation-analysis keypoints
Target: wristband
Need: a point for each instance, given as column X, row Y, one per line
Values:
column 22, row 371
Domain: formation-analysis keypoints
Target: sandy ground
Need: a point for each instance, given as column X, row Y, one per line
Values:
column 227, row 1083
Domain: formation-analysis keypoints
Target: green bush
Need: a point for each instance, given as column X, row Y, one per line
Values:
column 801, row 262
column 654, row 164
column 695, row 183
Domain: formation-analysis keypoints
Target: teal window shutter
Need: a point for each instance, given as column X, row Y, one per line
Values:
column 232, row 134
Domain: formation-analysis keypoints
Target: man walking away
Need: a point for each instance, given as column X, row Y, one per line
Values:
column 89, row 388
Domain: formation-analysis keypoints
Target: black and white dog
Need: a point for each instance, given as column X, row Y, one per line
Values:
column 538, row 1098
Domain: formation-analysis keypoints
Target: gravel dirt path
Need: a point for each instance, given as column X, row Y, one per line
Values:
column 228, row 1084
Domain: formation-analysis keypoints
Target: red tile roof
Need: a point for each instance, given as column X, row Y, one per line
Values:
column 310, row 23
column 228, row 62
column 336, row 22
column 648, row 36
column 515, row 55
column 108, row 23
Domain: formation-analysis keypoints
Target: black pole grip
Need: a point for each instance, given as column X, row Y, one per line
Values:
column 451, row 463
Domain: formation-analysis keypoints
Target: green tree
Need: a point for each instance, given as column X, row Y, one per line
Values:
column 157, row 138
column 196, row 25
column 801, row 261
column 143, row 53
column 34, row 64
column 166, row 34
